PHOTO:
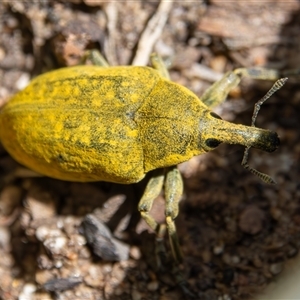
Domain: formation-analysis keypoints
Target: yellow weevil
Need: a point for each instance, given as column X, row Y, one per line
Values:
column 115, row 124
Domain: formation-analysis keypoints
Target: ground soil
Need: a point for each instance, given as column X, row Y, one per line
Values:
column 236, row 232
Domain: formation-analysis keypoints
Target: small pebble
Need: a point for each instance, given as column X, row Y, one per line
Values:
column 10, row 197
column 28, row 291
column 251, row 220
column 56, row 244
column 217, row 250
column 135, row 253
column 5, row 236
column 276, row 268
column 136, row 295
column 152, row 286
column 102, row 242
column 62, row 284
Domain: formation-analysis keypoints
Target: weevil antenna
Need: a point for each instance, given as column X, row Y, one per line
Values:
column 264, row 177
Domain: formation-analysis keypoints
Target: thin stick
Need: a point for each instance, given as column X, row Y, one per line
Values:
column 111, row 11
column 151, row 33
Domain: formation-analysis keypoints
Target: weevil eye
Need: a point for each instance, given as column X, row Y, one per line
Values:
column 212, row 143
column 215, row 115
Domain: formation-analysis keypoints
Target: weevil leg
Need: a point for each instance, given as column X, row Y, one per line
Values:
column 152, row 190
column 159, row 65
column 173, row 193
column 96, row 58
column 219, row 91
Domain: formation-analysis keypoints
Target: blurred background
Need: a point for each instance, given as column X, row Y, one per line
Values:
column 238, row 235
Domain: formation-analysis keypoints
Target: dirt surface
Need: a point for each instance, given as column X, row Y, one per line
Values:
column 236, row 232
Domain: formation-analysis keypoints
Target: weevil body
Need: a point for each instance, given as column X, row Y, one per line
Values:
column 115, row 124
column 89, row 123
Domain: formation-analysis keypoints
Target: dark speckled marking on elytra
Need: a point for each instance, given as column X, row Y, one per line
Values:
column 130, row 114
column 60, row 158
column 71, row 122
column 95, row 84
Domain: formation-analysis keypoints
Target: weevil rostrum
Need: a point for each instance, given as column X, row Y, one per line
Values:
column 115, row 124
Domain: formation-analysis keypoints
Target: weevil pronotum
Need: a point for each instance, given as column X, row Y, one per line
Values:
column 115, row 124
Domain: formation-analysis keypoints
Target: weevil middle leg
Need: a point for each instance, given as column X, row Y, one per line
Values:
column 173, row 192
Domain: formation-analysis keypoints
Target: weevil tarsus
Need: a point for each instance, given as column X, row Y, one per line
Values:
column 264, row 177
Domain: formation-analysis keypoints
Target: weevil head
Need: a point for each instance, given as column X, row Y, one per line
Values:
column 213, row 131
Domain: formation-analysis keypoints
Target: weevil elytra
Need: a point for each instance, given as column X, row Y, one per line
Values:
column 115, row 124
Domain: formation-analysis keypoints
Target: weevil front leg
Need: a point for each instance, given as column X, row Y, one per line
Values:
column 219, row 91
column 152, row 190
column 173, row 193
